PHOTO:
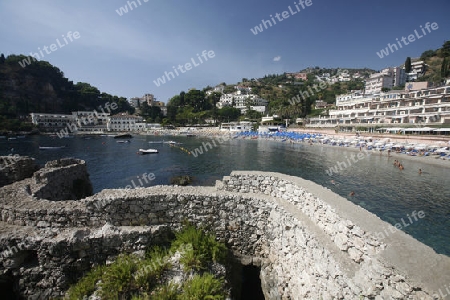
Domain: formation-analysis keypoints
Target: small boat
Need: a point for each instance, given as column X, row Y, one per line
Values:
column 51, row 148
column 147, row 151
column 156, row 142
column 123, row 136
column 20, row 136
column 12, row 139
column 123, row 141
column 172, row 143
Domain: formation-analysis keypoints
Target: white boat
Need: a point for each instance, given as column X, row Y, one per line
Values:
column 172, row 143
column 147, row 151
column 123, row 141
column 51, row 148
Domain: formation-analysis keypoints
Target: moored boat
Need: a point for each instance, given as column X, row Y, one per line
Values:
column 51, row 148
column 123, row 136
column 147, row 151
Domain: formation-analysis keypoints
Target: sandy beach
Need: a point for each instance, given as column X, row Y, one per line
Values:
column 442, row 141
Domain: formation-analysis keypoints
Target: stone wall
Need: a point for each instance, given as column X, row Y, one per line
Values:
column 309, row 242
column 62, row 179
column 14, row 168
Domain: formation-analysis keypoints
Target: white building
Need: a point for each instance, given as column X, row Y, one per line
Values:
column 427, row 106
column 237, row 126
column 123, row 122
column 135, row 102
column 260, row 109
column 418, row 69
column 52, row 121
column 90, row 118
column 398, row 74
column 241, row 101
column 376, row 82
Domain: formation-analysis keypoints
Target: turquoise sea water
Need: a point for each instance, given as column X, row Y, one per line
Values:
column 379, row 187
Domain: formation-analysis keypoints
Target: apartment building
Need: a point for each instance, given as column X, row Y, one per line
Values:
column 241, row 101
column 387, row 78
column 426, row 106
column 377, row 82
column 418, row 68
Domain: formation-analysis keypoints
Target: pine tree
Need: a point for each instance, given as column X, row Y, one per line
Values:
column 2, row 59
column 408, row 65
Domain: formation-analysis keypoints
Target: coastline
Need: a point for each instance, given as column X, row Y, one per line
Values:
column 213, row 132
column 430, row 160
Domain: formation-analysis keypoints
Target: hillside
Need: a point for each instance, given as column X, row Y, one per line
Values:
column 41, row 87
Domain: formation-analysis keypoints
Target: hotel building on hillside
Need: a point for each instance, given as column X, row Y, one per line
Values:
column 429, row 106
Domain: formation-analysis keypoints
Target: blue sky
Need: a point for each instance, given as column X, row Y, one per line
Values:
column 123, row 55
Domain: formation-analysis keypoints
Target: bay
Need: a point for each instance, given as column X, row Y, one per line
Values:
column 379, row 187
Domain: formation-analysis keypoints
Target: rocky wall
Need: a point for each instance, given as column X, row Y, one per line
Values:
column 309, row 242
column 15, row 168
column 63, row 179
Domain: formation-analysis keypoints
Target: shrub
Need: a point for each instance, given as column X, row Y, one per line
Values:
column 117, row 279
column 203, row 287
column 204, row 245
column 150, row 270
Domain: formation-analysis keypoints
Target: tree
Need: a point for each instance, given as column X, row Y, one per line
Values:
column 408, row 65
column 2, row 59
column 445, row 49
column 228, row 113
column 445, row 68
column 427, row 54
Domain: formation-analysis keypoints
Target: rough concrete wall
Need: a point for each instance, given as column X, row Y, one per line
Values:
column 14, row 168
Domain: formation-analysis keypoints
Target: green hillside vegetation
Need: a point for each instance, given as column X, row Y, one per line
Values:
column 42, row 88
column 194, row 106
column 438, row 62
